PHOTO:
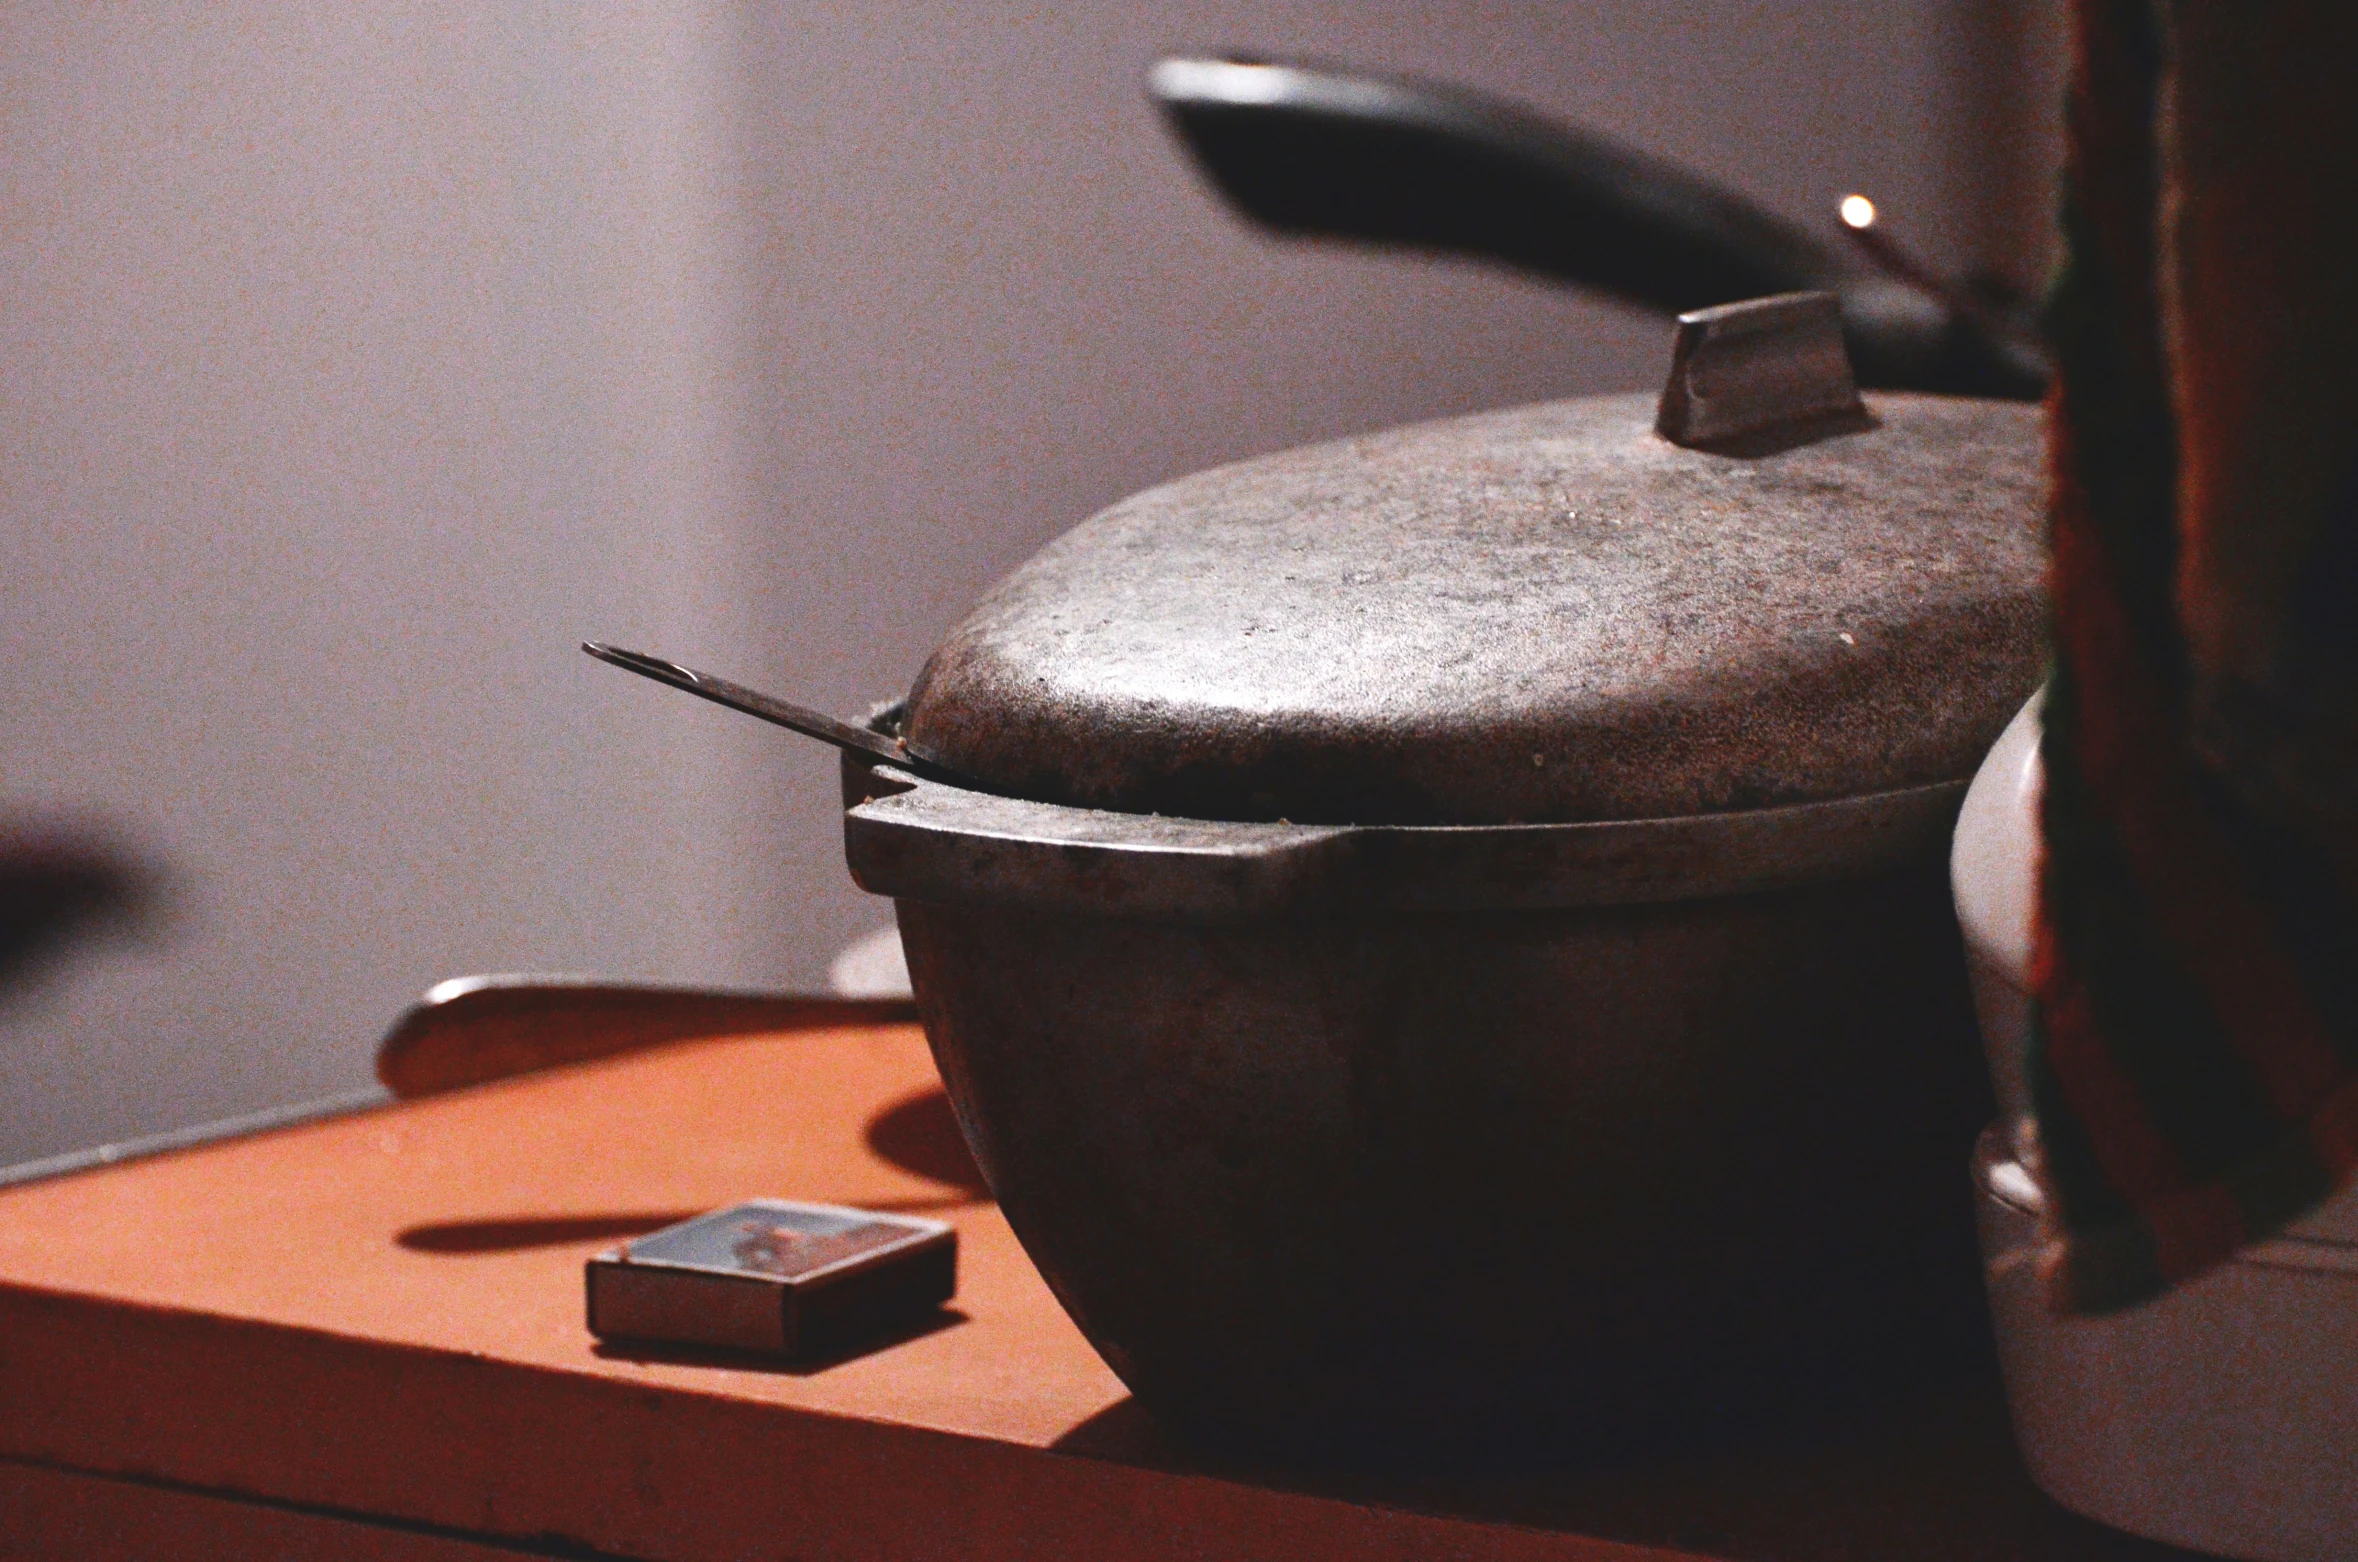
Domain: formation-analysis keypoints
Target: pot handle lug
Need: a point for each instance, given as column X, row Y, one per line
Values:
column 921, row 840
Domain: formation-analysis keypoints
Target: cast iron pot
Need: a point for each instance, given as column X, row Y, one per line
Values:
column 1449, row 946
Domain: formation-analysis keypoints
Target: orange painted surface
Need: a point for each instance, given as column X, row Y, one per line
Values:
column 461, row 1222
column 382, row 1315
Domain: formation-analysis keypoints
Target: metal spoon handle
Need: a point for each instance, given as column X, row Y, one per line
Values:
column 798, row 718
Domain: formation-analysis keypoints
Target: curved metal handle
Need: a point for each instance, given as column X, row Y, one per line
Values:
column 1322, row 153
column 475, row 1029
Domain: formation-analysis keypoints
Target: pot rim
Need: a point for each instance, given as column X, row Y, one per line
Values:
column 928, row 841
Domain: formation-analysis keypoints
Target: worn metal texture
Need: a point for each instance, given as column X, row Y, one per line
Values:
column 1416, row 1187
column 1545, row 614
column 922, row 840
column 1743, row 370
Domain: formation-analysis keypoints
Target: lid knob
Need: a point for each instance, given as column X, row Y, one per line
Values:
column 1763, row 367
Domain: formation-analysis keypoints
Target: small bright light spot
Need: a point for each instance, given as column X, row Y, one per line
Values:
column 1858, row 211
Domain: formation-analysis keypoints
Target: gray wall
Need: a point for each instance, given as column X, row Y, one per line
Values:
column 361, row 360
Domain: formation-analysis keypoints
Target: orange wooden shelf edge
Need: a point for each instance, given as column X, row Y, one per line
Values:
column 364, row 1337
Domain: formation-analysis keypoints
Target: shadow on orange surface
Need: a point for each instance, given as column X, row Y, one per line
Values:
column 919, row 1133
column 1125, row 1433
column 514, row 1233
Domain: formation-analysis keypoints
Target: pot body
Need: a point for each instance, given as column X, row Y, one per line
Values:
column 1361, row 1173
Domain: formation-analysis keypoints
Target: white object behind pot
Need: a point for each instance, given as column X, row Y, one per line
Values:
column 1994, row 869
column 871, row 966
column 2223, row 1415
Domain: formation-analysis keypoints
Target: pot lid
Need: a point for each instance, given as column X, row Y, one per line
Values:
column 1553, row 613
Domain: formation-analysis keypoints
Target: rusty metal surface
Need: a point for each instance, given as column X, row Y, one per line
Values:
column 1538, row 615
column 1414, row 1145
column 1464, row 959
column 921, row 840
column 1412, row 1186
